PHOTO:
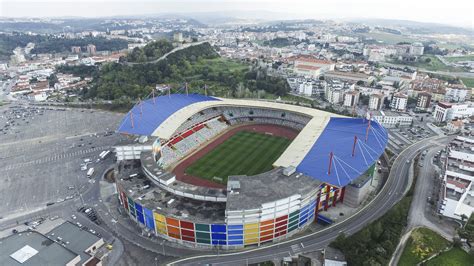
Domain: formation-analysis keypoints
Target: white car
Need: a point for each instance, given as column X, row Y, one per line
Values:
column 73, row 217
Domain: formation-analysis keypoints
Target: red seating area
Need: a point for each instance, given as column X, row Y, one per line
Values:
column 186, row 134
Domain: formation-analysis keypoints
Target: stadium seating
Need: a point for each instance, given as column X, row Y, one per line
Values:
column 191, row 139
column 203, row 126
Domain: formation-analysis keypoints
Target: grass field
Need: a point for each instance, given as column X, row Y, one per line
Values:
column 469, row 82
column 453, row 257
column 459, row 58
column 245, row 153
column 388, row 37
column 422, row 244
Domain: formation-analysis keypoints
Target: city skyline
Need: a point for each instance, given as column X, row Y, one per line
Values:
column 457, row 13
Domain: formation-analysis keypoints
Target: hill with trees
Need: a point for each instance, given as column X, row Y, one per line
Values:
column 198, row 65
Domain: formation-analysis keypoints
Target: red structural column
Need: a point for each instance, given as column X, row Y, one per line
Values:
column 341, row 197
column 354, row 146
column 141, row 106
column 316, row 210
column 330, row 163
column 334, row 198
column 367, row 132
column 131, row 118
column 328, row 193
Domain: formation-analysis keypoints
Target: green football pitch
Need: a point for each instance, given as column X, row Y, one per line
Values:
column 245, row 153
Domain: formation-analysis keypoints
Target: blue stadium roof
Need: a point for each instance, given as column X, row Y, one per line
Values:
column 338, row 138
column 148, row 115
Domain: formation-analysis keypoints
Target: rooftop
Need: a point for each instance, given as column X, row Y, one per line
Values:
column 268, row 187
column 152, row 197
column 33, row 248
column 308, row 67
column 74, row 238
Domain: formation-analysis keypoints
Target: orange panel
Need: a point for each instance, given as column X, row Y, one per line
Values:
column 266, row 222
column 266, row 238
column 171, row 221
column 266, row 233
column 268, row 227
column 173, row 230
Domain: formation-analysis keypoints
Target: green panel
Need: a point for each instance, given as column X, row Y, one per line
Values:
column 293, row 228
column 202, row 227
column 294, row 218
column 201, row 235
column 371, row 170
column 295, row 213
column 293, row 223
column 203, row 241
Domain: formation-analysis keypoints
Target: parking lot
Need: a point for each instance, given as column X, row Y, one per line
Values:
column 41, row 152
column 400, row 138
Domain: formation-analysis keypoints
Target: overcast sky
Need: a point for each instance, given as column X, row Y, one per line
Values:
column 455, row 12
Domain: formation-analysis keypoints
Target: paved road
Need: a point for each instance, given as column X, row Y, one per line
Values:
column 420, row 214
column 391, row 193
column 186, row 45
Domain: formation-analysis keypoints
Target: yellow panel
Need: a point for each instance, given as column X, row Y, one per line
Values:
column 159, row 217
column 251, row 241
column 251, row 230
column 248, row 236
column 161, row 228
column 250, row 226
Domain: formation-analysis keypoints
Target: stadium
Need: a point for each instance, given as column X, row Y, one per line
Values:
column 232, row 173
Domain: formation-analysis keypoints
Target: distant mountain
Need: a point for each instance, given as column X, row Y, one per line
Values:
column 417, row 27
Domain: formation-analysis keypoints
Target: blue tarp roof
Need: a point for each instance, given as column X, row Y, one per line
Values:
column 149, row 115
column 338, row 138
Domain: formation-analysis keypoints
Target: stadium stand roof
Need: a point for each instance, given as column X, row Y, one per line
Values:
column 338, row 138
column 309, row 151
column 149, row 114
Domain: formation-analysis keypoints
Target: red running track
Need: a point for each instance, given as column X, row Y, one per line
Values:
column 179, row 170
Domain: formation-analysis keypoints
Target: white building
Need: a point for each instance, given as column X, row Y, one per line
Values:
column 311, row 67
column 305, row 88
column 391, row 119
column 334, row 95
column 457, row 94
column 351, row 98
column 375, row 101
column 458, row 176
column 399, row 102
column 416, row 49
column 448, row 111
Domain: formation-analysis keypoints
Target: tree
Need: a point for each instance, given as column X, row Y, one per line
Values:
column 53, row 79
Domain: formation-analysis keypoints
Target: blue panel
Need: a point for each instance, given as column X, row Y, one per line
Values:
column 338, row 138
column 218, row 236
column 218, row 228
column 150, row 222
column 148, row 115
column 140, row 217
column 138, row 207
column 302, row 222
column 236, row 242
column 231, row 237
column 235, row 232
column 219, row 242
column 235, row 226
column 303, row 216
